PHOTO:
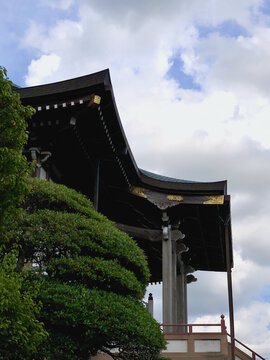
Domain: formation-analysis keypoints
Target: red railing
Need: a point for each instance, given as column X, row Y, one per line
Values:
column 254, row 354
column 191, row 326
column 223, row 330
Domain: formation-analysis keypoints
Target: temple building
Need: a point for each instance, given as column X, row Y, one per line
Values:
column 77, row 139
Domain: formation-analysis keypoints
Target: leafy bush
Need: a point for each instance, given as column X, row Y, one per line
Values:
column 91, row 277
column 13, row 165
column 20, row 331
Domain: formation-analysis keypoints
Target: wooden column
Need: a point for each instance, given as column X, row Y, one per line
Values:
column 185, row 300
column 181, row 297
column 167, row 278
column 174, row 285
column 96, row 185
column 230, row 291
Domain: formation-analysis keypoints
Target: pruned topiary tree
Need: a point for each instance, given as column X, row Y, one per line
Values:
column 92, row 278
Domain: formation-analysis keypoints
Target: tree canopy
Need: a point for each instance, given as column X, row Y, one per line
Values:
column 20, row 331
column 13, row 165
column 91, row 276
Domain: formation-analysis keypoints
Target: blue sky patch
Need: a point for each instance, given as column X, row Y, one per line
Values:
column 229, row 28
column 265, row 294
column 176, row 72
column 265, row 8
column 15, row 18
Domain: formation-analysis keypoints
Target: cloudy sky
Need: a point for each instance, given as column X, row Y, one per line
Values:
column 192, row 84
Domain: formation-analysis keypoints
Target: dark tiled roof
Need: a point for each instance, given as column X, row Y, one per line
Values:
column 165, row 178
column 100, row 82
column 14, row 86
column 66, row 85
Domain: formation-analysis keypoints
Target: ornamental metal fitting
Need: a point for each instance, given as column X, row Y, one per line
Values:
column 214, row 200
column 94, row 100
column 165, row 232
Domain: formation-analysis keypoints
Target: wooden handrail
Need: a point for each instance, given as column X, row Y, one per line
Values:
column 190, row 326
column 223, row 331
column 254, row 354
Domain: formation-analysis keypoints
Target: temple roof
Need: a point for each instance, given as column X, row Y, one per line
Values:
column 165, row 178
column 66, row 86
column 80, row 134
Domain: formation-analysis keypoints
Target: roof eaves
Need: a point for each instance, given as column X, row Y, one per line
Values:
column 164, row 183
column 101, row 77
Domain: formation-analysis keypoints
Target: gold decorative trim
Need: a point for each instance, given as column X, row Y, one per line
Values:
column 175, row 197
column 214, row 200
column 94, row 100
column 138, row 191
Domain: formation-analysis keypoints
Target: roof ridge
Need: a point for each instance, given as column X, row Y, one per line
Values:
column 165, row 178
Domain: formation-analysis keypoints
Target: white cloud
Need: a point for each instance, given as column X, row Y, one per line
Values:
column 252, row 324
column 234, row 64
column 233, row 102
column 59, row 4
column 45, row 66
column 211, row 287
column 252, row 235
column 256, row 318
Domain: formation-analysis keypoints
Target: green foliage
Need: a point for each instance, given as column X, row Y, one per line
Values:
column 93, row 238
column 46, row 195
column 95, row 319
column 110, row 319
column 20, row 332
column 91, row 277
column 96, row 273
column 13, row 165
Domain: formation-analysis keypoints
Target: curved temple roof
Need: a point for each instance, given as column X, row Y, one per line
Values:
column 165, row 178
column 43, row 94
column 77, row 121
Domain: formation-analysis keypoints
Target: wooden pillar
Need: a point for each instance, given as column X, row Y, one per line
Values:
column 167, row 285
column 181, row 297
column 230, row 291
column 185, row 300
column 96, row 185
column 174, row 285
